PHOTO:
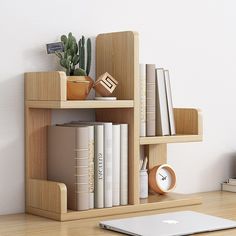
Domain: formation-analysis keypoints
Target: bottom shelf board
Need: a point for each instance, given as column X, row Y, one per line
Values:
column 153, row 202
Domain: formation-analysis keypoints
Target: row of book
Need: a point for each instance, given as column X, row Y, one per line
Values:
column 229, row 185
column 91, row 159
column 156, row 109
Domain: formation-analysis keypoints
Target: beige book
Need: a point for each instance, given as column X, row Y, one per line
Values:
column 151, row 100
column 68, row 151
column 142, row 99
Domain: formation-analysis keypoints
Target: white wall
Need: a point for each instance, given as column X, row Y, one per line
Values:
column 194, row 39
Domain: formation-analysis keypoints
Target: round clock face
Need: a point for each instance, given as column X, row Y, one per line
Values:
column 162, row 179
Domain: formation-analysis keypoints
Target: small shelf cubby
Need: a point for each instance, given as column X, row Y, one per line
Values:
column 117, row 54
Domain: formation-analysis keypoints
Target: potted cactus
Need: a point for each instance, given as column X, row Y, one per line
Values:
column 72, row 59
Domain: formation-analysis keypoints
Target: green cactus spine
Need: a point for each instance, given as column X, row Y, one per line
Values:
column 89, row 56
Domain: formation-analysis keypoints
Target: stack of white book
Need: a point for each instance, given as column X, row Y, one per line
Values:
column 229, row 185
column 95, row 173
column 156, row 108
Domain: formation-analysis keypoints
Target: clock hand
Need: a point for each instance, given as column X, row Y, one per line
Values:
column 161, row 175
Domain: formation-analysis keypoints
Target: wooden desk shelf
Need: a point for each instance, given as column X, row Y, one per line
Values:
column 117, row 54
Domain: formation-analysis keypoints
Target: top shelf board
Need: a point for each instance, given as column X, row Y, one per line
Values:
column 85, row 104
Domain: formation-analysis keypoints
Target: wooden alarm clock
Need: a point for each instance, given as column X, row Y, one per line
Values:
column 162, row 179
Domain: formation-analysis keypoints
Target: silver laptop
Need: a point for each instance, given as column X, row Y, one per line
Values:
column 168, row 224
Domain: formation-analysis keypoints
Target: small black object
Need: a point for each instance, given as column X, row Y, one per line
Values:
column 55, row 47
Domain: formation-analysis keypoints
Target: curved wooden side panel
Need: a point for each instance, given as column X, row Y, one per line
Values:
column 45, row 86
column 188, row 121
column 47, row 195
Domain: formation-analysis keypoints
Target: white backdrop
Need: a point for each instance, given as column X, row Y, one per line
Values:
column 194, row 39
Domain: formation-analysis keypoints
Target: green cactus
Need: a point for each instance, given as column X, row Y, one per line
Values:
column 74, row 54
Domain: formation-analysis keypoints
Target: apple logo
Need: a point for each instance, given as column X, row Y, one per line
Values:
column 171, row 222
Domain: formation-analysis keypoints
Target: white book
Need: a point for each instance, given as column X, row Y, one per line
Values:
column 142, row 97
column 228, row 187
column 124, row 164
column 232, row 181
column 115, row 165
column 169, row 103
column 99, row 167
column 108, row 165
column 162, row 118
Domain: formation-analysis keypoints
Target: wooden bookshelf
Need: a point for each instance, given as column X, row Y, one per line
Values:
column 117, row 54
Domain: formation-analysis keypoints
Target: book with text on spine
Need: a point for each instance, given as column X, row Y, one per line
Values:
column 68, row 151
column 150, row 100
column 142, row 97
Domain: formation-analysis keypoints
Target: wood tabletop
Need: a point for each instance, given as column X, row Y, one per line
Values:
column 222, row 204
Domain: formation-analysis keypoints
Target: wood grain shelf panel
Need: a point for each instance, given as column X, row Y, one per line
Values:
column 87, row 104
column 153, row 202
column 170, row 139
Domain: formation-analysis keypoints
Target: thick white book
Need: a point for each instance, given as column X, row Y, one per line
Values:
column 99, row 167
column 115, row 165
column 90, row 156
column 162, row 117
column 142, row 99
column 124, row 164
column 228, row 187
column 169, row 103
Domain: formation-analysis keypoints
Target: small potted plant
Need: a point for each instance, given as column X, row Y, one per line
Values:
column 79, row 83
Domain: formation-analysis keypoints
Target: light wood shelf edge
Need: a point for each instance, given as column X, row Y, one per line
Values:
column 85, row 104
column 47, row 196
column 174, row 200
column 170, row 139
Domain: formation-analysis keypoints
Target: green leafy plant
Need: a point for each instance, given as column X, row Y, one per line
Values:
column 74, row 54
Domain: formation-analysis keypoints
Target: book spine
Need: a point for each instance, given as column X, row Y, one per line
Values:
column 116, row 165
column 162, row 117
column 151, row 100
column 108, row 165
column 91, row 166
column 124, row 164
column 99, row 167
column 81, row 166
column 142, row 97
column 169, row 103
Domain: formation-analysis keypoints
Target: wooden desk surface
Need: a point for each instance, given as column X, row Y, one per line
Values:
column 222, row 204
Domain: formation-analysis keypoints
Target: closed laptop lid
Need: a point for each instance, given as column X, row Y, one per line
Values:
column 169, row 224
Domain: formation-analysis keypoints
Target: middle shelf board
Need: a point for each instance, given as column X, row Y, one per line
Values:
column 170, row 139
column 85, row 104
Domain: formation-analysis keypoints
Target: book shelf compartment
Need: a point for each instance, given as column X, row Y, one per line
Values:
column 188, row 122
